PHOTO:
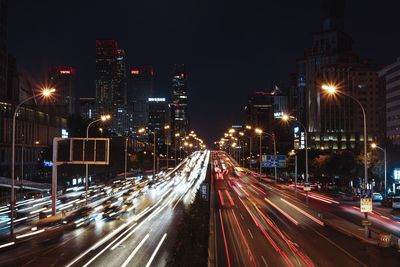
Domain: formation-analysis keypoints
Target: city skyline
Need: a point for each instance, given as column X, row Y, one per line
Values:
column 215, row 51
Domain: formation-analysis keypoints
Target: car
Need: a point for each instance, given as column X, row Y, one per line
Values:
column 82, row 217
column 377, row 197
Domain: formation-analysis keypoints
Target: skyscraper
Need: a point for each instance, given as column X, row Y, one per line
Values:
column 140, row 90
column 336, row 123
column 3, row 49
column 179, row 105
column 111, row 84
column 63, row 78
column 158, row 117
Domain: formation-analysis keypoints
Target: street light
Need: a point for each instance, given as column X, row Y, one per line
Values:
column 102, row 118
column 287, row 118
column 166, row 128
column 45, row 93
column 177, row 135
column 259, row 132
column 375, row 146
column 332, row 89
column 143, row 130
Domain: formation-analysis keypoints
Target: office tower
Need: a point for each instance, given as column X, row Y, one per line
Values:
column 63, row 79
column 391, row 75
column 179, row 105
column 158, row 118
column 140, row 90
column 335, row 123
column 111, row 85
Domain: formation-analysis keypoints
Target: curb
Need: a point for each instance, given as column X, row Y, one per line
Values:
column 349, row 233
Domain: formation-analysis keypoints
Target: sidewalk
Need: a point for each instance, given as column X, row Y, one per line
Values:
column 350, row 229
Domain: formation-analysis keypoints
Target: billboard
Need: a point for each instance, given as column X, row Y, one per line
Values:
column 270, row 161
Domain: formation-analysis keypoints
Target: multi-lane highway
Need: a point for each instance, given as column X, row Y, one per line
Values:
column 143, row 237
column 261, row 225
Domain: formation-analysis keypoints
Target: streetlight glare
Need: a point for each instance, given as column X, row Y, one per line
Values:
column 373, row 145
column 46, row 92
column 285, row 117
column 329, row 88
column 258, row 131
column 105, row 117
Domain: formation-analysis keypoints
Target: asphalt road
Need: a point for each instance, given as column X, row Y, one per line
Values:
column 143, row 239
column 260, row 225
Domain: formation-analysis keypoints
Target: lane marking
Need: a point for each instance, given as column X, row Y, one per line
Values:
column 126, row 262
column 224, row 237
column 265, row 262
column 156, row 250
column 283, row 212
column 250, row 233
column 340, row 248
column 303, row 212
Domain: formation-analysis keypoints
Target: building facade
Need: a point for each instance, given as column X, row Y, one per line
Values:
column 140, row 90
column 337, row 122
column 111, row 85
column 158, row 118
column 63, row 79
column 87, row 108
column 179, row 105
column 391, row 75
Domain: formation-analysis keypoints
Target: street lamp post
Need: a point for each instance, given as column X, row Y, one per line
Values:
column 47, row 92
column 288, row 118
column 167, row 127
column 375, row 146
column 176, row 135
column 332, row 89
column 260, row 132
column 142, row 130
column 102, row 118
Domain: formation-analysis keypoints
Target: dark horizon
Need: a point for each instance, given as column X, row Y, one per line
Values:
column 237, row 47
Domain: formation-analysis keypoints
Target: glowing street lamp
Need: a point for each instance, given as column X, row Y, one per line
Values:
column 103, row 118
column 332, row 89
column 375, row 146
column 45, row 93
column 288, row 118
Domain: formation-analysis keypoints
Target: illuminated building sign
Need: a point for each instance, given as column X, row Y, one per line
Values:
column 135, row 72
column 64, row 133
column 299, row 138
column 396, row 174
column 278, row 114
column 158, row 99
column 65, row 72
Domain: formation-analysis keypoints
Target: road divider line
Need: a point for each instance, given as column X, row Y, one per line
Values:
column 126, row 262
column 283, row 212
column 303, row 212
column 156, row 250
column 224, row 237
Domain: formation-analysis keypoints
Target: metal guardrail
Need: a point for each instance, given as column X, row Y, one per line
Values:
column 6, row 182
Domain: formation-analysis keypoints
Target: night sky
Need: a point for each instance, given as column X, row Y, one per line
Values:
column 231, row 48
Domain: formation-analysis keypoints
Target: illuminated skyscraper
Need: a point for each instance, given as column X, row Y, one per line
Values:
column 140, row 90
column 337, row 123
column 63, row 78
column 111, row 84
column 179, row 105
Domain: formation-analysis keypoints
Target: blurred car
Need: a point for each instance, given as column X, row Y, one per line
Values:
column 82, row 217
column 377, row 197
